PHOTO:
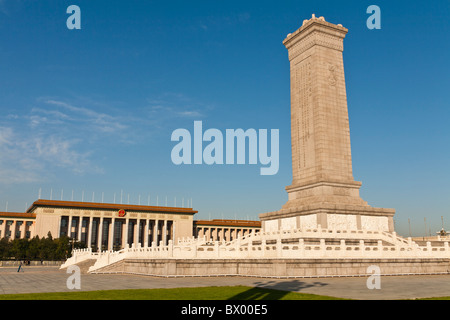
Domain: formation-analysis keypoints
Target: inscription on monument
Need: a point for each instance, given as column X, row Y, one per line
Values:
column 304, row 114
column 332, row 76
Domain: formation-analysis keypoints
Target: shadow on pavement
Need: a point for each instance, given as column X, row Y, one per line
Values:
column 273, row 290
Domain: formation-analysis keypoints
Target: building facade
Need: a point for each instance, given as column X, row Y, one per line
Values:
column 99, row 225
column 17, row 225
column 105, row 226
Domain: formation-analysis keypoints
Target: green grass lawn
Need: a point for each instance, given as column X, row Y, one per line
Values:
column 202, row 293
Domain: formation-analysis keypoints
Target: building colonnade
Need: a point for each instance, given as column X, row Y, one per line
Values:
column 16, row 228
column 112, row 233
column 222, row 233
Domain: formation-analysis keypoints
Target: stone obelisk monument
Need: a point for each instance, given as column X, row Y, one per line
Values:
column 323, row 191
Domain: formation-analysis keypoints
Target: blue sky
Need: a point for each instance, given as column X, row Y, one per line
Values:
column 92, row 110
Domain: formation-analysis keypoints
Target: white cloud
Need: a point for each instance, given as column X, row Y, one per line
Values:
column 70, row 135
column 6, row 136
column 29, row 158
column 53, row 135
column 53, row 113
column 170, row 106
column 96, row 121
column 190, row 114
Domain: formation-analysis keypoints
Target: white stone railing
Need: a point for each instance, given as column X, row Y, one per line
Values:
column 300, row 250
column 322, row 233
column 193, row 240
column 328, row 244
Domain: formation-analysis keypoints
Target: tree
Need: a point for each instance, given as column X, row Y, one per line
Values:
column 19, row 248
column 33, row 248
column 63, row 248
column 5, row 248
column 46, row 248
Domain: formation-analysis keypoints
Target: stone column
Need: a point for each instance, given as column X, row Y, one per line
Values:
column 69, row 226
column 155, row 232
column 111, row 234
column 33, row 229
column 80, row 222
column 125, row 233
column 89, row 240
column 175, row 236
column 59, row 228
column 146, row 229
column 227, row 234
column 3, row 229
column 136, row 232
column 164, row 235
column 13, row 230
column 219, row 234
column 22, row 229
column 100, row 234
column 210, row 234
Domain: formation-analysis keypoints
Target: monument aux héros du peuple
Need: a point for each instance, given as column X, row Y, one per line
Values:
column 325, row 228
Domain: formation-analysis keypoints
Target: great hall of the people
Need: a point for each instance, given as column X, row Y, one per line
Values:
column 114, row 226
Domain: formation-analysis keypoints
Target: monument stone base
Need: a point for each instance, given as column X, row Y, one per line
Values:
column 335, row 217
column 329, row 205
column 279, row 268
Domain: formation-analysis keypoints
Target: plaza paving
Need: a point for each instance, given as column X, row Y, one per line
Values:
column 51, row 279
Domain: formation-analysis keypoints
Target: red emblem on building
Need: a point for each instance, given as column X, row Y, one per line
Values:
column 122, row 213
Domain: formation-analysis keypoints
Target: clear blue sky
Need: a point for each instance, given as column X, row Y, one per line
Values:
column 93, row 109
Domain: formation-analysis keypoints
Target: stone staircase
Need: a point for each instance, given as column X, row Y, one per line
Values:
column 84, row 265
column 116, row 267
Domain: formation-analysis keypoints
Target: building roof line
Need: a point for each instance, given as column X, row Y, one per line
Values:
column 106, row 206
column 17, row 215
column 230, row 222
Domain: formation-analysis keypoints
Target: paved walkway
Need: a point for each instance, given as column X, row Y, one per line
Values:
column 51, row 279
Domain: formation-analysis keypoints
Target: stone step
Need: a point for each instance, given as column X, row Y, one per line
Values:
column 85, row 265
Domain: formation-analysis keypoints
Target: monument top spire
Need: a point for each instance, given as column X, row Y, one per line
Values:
column 312, row 18
column 318, row 30
column 315, row 18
